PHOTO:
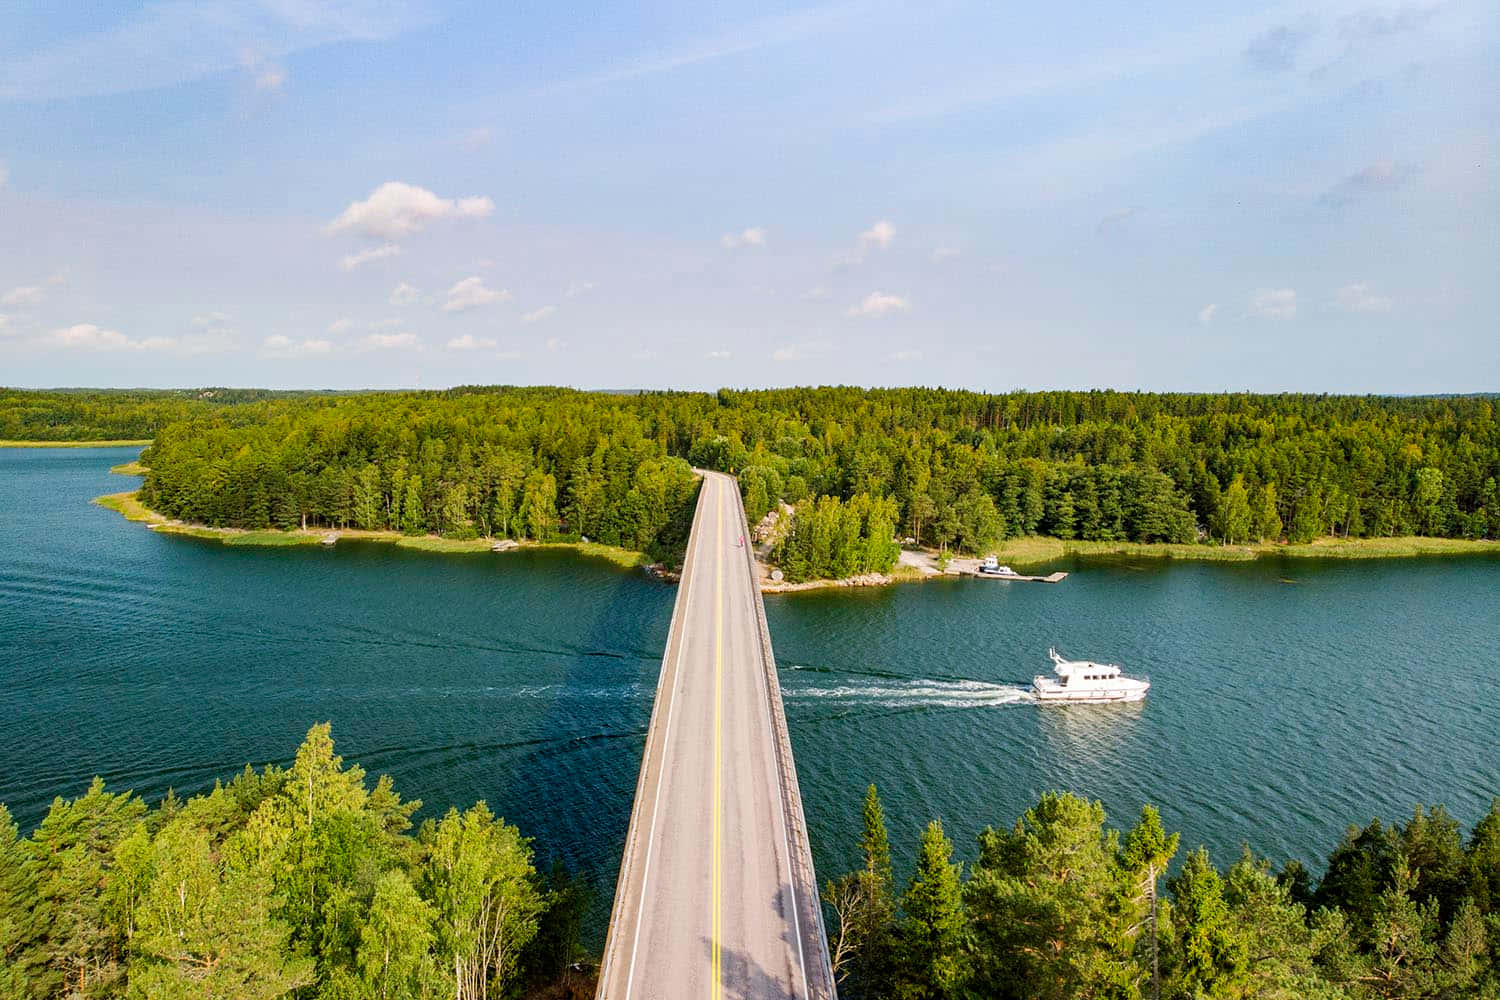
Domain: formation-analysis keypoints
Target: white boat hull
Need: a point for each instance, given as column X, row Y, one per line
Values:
column 1048, row 691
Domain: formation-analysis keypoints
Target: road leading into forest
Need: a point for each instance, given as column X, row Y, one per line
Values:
column 717, row 898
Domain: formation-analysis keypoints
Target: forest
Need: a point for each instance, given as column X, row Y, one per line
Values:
column 293, row 882
column 949, row 469
column 305, row 882
column 1061, row 907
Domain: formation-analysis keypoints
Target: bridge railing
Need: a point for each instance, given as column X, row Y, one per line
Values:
column 818, row 964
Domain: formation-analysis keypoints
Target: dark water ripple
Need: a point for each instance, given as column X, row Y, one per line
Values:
column 1282, row 711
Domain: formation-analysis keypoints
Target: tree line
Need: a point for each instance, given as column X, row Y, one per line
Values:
column 1061, row 907
column 951, row 469
column 298, row 882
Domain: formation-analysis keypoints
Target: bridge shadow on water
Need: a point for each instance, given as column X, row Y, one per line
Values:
column 574, row 791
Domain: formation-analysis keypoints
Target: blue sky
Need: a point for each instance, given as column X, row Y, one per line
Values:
column 1196, row 196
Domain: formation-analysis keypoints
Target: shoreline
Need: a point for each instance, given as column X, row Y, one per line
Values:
column 121, row 443
column 916, row 565
column 127, row 504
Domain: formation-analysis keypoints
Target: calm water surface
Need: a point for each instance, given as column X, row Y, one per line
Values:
column 1290, row 698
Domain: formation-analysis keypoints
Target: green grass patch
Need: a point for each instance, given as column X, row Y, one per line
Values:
column 134, row 443
column 128, row 469
column 128, row 504
column 269, row 536
column 433, row 543
column 624, row 558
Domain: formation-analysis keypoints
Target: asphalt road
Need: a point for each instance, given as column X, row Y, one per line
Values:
column 716, row 896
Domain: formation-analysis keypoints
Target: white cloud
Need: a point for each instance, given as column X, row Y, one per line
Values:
column 4, row 174
column 577, row 288
column 537, row 315
column 469, row 342
column 470, row 293
column 88, row 337
column 555, row 345
column 818, row 293
column 387, row 341
column 341, row 325
column 279, row 346
column 944, row 253
column 394, row 210
column 718, row 355
column 1206, row 314
column 405, row 295
column 350, row 261
column 1361, row 296
column 755, row 236
column 907, row 355
column 3, row 320
column 879, row 236
column 878, row 304
column 212, row 319
column 1274, row 303
column 25, row 295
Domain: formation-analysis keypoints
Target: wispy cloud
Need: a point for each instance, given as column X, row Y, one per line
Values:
column 908, row 354
column 405, row 295
column 1274, row 303
column 879, row 236
column 469, row 342
column 1207, row 313
column 781, row 29
column 396, row 209
column 89, row 337
column 537, row 315
column 4, row 175
column 577, row 288
column 1385, row 175
column 1362, row 297
column 265, row 74
column 718, row 356
column 25, row 295
column 470, row 293
column 755, row 236
column 941, row 254
column 341, row 325
column 351, row 261
column 878, row 304
column 389, row 341
column 1276, row 49
column 170, row 42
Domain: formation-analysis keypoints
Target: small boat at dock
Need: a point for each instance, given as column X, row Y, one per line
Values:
column 1087, row 682
column 991, row 567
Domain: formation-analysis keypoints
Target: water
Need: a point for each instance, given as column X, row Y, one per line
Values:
column 1290, row 698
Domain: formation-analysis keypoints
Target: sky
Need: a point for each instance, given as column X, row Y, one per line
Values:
column 1196, row 196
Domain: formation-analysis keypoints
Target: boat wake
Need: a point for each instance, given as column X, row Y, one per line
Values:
column 916, row 693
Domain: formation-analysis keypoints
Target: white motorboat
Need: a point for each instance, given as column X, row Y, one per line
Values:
column 1084, row 681
column 991, row 567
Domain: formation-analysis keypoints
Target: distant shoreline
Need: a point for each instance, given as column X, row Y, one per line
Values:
column 1034, row 551
column 128, row 505
column 132, row 443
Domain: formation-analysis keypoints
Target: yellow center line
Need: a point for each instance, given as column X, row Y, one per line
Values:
column 715, row 990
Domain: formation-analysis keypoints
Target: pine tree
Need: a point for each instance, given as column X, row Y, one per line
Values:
column 1148, row 850
column 931, row 955
column 1210, row 956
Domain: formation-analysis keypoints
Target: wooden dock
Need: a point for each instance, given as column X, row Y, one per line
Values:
column 1057, row 577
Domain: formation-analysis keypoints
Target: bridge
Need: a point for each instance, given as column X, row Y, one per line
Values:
column 717, row 897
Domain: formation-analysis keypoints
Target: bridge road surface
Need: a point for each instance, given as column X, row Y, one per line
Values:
column 716, row 898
